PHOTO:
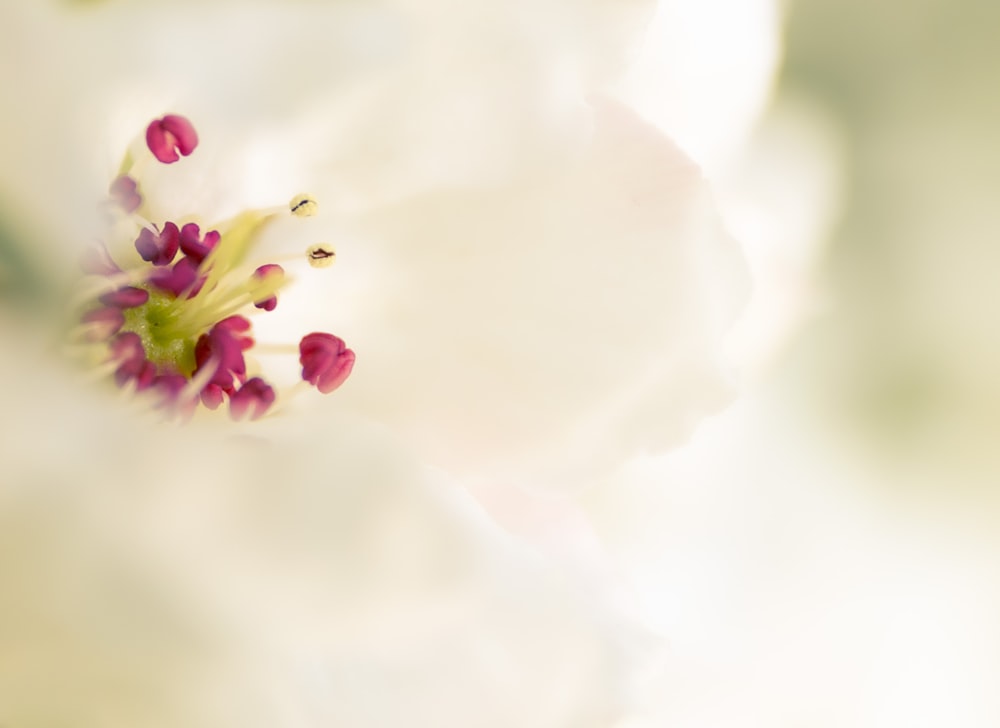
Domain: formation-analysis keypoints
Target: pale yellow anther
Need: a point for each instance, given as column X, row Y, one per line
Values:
column 321, row 255
column 303, row 205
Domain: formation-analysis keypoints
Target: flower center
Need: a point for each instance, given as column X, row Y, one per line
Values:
column 166, row 344
column 175, row 324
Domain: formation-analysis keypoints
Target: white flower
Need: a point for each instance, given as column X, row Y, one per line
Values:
column 534, row 280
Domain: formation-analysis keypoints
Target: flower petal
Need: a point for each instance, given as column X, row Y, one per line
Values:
column 557, row 323
column 314, row 573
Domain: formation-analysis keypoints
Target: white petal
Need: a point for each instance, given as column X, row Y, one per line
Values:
column 554, row 324
column 385, row 96
column 159, row 576
column 704, row 72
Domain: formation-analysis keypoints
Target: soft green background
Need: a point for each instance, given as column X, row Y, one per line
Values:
column 908, row 362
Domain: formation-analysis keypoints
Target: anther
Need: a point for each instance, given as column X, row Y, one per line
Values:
column 303, row 205
column 101, row 324
column 180, row 278
column 321, row 255
column 127, row 350
column 195, row 245
column 264, row 272
column 169, row 136
column 254, row 398
column 158, row 248
column 125, row 193
column 126, row 297
column 326, row 361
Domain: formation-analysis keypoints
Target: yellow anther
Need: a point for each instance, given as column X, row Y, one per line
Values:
column 303, row 205
column 321, row 255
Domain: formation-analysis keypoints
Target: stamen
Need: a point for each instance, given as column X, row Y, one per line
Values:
column 175, row 326
column 224, row 344
column 326, row 361
column 133, row 366
column 158, row 248
column 255, row 397
column 175, row 395
column 270, row 348
column 194, row 245
column 321, row 255
column 303, row 205
column 269, row 270
column 182, row 278
column 125, row 194
column 201, row 385
column 101, row 324
column 240, row 234
column 221, row 303
column 169, row 136
column 127, row 297
column 93, row 289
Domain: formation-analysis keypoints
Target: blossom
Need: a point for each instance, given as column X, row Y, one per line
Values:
column 535, row 281
column 551, row 340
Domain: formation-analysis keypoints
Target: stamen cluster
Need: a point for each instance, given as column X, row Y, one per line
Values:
column 174, row 324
